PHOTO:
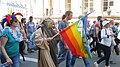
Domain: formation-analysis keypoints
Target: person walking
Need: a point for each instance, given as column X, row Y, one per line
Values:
column 85, row 60
column 30, row 27
column 10, row 38
column 97, row 37
column 106, row 41
column 64, row 50
column 47, row 44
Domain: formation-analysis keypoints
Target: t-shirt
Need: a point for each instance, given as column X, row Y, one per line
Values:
column 30, row 26
column 12, row 45
column 63, row 24
column 107, row 41
column 96, row 29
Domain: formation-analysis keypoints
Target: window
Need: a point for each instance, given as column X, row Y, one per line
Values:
column 111, row 3
column 68, row 5
column 86, row 0
column 88, row 4
column 91, row 5
column 107, row 4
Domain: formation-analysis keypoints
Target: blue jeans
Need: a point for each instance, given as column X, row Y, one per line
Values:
column 15, row 60
column 86, row 61
column 31, row 40
column 63, row 53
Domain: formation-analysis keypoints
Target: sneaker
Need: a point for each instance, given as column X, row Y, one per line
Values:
column 107, row 66
column 30, row 51
column 111, row 62
column 80, row 57
column 96, row 64
column 94, row 53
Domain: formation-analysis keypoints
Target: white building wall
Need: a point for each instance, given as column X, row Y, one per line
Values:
column 5, row 8
column 40, row 8
column 115, row 9
column 62, row 7
column 58, row 8
column 76, row 7
column 97, row 6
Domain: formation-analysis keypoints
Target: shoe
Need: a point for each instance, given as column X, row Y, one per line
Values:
column 107, row 66
column 80, row 57
column 96, row 64
column 94, row 53
column 100, row 56
column 111, row 62
column 30, row 51
column 25, row 53
column 35, row 48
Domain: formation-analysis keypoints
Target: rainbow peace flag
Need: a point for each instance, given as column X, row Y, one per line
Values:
column 76, row 39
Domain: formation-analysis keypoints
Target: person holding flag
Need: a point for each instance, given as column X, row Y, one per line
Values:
column 86, row 60
column 75, row 37
column 64, row 50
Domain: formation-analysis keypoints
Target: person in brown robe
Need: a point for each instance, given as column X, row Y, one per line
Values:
column 48, row 27
column 46, row 33
column 41, row 41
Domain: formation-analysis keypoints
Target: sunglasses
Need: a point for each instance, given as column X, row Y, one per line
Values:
column 16, row 21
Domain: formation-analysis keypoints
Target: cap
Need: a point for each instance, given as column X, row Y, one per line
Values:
column 105, row 22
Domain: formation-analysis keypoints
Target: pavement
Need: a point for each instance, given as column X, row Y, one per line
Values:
column 31, row 61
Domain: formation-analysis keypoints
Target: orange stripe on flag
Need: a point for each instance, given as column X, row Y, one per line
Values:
column 74, row 41
column 67, row 41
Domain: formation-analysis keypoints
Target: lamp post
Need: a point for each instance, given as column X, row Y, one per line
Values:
column 86, row 10
column 109, row 11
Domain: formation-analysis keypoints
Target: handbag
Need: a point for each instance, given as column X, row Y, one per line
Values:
column 116, row 49
column 118, row 36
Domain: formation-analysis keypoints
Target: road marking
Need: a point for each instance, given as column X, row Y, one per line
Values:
column 29, row 59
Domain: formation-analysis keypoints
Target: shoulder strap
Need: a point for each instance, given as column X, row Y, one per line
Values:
column 105, row 32
column 38, row 54
column 39, row 48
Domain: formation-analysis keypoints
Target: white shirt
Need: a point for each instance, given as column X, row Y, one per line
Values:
column 106, row 41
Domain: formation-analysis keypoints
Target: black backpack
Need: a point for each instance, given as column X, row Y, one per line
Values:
column 99, row 35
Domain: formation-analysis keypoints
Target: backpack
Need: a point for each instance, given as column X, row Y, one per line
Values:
column 91, row 31
column 99, row 35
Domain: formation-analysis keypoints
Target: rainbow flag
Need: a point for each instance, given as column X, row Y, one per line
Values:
column 76, row 39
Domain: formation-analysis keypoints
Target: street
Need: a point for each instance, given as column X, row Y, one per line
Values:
column 31, row 61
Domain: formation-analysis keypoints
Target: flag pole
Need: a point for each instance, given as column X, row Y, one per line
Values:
column 87, row 14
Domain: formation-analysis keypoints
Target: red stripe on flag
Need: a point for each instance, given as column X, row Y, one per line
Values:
column 68, row 42
column 74, row 42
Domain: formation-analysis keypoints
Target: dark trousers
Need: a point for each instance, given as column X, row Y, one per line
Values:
column 107, row 53
column 93, row 42
column 97, row 47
